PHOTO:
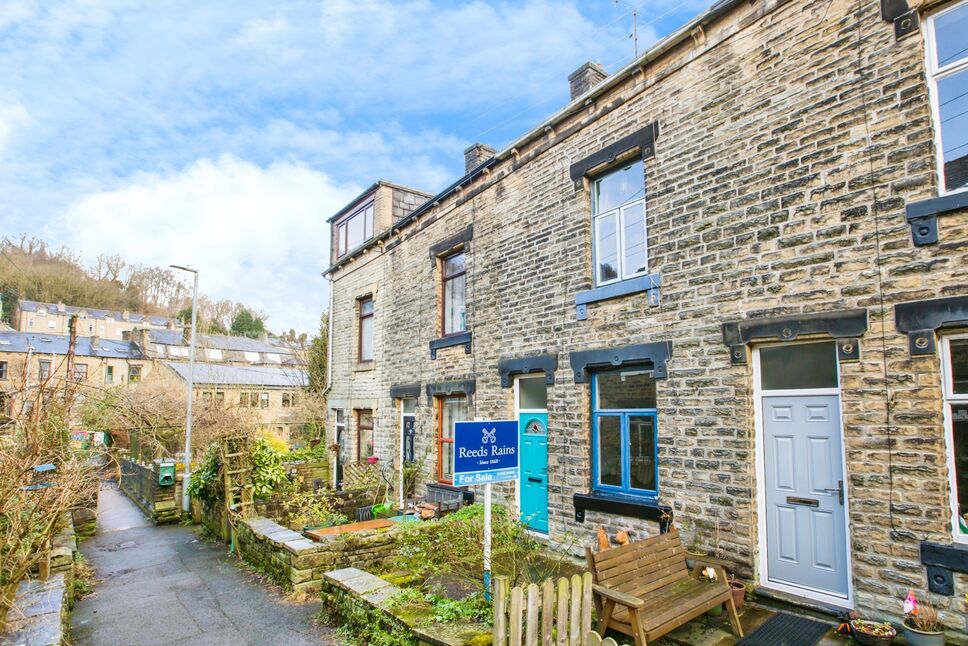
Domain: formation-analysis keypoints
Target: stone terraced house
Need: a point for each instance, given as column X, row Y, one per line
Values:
column 725, row 286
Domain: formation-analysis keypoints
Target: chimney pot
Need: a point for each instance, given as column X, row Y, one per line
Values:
column 476, row 155
column 585, row 78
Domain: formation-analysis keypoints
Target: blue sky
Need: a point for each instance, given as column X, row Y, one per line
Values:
column 223, row 134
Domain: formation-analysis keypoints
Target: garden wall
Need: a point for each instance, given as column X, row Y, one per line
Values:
column 307, row 474
column 346, row 503
column 140, row 482
column 298, row 563
column 40, row 615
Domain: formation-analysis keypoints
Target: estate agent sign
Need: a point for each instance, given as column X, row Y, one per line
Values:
column 485, row 452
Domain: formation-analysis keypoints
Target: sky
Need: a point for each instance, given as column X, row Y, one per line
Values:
column 222, row 134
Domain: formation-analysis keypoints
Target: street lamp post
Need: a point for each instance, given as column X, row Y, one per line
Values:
column 186, row 508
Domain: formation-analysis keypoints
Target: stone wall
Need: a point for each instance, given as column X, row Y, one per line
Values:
column 307, row 473
column 792, row 136
column 346, row 502
column 40, row 614
column 298, row 563
column 140, row 482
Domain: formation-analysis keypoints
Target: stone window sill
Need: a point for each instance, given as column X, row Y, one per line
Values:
column 648, row 283
column 364, row 366
column 630, row 506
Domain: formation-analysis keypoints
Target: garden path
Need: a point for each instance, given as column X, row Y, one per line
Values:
column 166, row 586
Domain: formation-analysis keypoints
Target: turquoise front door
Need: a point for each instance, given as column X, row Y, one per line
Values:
column 534, row 470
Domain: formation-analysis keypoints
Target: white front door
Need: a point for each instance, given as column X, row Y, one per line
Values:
column 803, row 506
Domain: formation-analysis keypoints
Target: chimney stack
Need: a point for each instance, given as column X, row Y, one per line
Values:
column 585, row 78
column 476, row 155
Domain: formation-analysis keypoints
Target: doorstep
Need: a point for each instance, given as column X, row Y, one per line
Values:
column 715, row 631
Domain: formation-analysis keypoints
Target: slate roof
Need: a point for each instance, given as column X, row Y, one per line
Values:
column 32, row 306
column 59, row 344
column 217, row 341
column 219, row 374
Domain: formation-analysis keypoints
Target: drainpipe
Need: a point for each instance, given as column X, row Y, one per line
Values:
column 329, row 371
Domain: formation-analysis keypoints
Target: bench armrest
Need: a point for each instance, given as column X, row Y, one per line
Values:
column 620, row 598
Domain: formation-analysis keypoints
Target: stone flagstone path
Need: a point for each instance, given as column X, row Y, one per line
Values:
column 165, row 586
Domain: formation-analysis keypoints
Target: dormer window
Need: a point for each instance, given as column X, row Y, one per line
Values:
column 354, row 230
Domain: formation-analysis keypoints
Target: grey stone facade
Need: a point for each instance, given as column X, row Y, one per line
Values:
column 791, row 138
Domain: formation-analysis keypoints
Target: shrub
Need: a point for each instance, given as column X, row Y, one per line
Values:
column 453, row 547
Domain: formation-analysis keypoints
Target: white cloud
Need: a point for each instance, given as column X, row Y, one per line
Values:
column 257, row 235
column 124, row 124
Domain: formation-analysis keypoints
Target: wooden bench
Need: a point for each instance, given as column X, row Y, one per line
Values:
column 645, row 590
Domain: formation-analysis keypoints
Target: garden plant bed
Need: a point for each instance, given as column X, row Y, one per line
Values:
column 364, row 604
column 335, row 530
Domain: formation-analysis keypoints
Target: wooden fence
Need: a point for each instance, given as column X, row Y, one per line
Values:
column 546, row 615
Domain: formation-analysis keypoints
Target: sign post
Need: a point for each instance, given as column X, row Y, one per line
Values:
column 485, row 452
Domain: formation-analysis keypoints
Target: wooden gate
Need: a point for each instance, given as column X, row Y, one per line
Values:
column 549, row 614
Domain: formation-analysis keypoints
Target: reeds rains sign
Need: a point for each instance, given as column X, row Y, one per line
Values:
column 485, row 451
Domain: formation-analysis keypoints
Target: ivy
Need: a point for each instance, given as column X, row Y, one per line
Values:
column 268, row 473
column 206, row 482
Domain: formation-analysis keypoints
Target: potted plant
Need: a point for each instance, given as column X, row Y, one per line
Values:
column 738, row 588
column 921, row 626
column 872, row 633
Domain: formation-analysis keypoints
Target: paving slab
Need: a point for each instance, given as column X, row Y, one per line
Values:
column 160, row 586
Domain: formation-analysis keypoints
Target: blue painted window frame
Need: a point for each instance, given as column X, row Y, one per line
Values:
column 624, row 415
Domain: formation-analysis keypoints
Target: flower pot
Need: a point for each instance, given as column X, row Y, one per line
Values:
column 739, row 593
column 916, row 637
column 863, row 638
column 715, row 611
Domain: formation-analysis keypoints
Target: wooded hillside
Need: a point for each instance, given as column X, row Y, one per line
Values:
column 30, row 269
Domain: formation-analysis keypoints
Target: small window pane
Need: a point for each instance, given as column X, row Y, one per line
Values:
column 534, row 394
column 619, row 187
column 953, row 113
column 366, row 306
column 950, row 29
column 959, row 366
column 409, row 406
column 606, row 247
column 454, row 265
column 633, row 239
column 610, row 451
column 446, row 461
column 641, row 453
column 798, row 366
column 366, row 443
column 356, row 232
column 626, row 389
column 454, row 409
column 455, row 310
column 368, row 222
column 959, row 427
column 366, row 339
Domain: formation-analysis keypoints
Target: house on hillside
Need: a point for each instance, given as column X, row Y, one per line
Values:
column 54, row 318
column 273, row 395
column 725, row 287
column 217, row 348
column 30, row 363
